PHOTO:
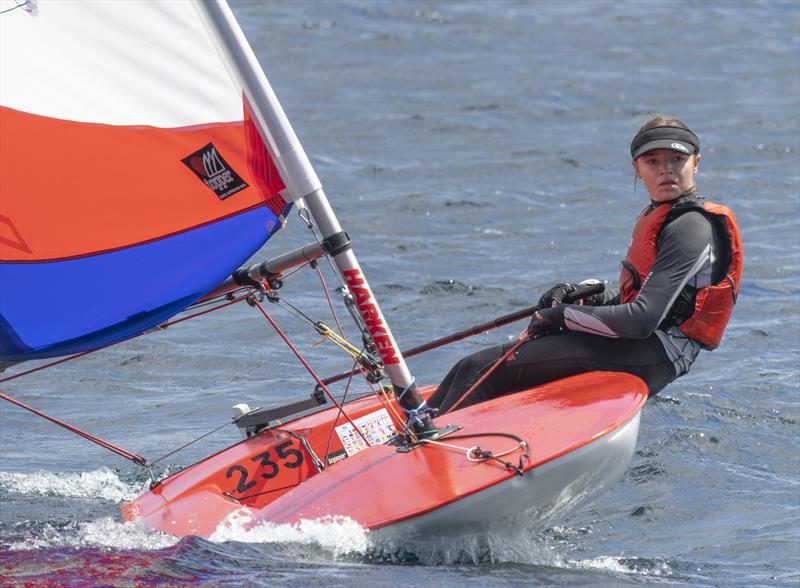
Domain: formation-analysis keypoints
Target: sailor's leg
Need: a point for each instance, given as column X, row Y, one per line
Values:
column 551, row 358
column 567, row 354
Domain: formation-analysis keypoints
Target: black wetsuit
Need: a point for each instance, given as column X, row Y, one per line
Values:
column 614, row 337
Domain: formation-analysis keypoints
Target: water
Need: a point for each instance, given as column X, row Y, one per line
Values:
column 476, row 153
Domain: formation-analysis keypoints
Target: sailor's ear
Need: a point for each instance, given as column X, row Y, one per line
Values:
column 696, row 162
column 636, row 168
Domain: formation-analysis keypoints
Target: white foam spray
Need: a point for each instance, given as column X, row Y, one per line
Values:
column 104, row 533
column 336, row 535
column 99, row 484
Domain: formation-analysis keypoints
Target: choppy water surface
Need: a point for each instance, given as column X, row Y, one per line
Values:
column 476, row 152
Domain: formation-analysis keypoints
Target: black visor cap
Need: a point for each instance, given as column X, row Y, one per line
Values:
column 674, row 138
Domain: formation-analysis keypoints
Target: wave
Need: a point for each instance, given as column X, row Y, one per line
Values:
column 100, row 484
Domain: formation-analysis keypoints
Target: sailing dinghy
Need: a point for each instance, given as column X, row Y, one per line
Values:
column 170, row 162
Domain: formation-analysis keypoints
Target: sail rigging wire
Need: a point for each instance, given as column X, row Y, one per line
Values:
column 203, row 302
column 47, row 365
column 305, row 364
column 315, row 265
column 192, row 442
column 321, row 328
column 23, row 6
column 305, row 216
column 339, row 341
column 107, row 445
column 309, row 222
column 341, row 409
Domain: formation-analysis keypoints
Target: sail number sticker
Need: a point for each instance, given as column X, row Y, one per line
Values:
column 267, row 466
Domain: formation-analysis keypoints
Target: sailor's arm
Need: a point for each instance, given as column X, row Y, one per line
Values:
column 685, row 249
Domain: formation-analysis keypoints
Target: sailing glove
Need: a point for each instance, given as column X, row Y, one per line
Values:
column 555, row 295
column 547, row 321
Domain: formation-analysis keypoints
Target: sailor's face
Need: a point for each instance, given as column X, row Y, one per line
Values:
column 665, row 173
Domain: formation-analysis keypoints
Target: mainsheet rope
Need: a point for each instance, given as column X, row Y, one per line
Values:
column 477, row 455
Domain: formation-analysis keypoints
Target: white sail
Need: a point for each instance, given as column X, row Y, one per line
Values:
column 120, row 62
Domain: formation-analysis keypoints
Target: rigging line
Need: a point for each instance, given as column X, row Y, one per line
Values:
column 308, row 368
column 159, row 327
column 182, row 447
column 469, row 450
column 47, row 365
column 397, row 422
column 358, row 368
column 458, row 336
column 477, row 455
column 216, row 299
column 340, row 342
column 234, row 300
column 349, row 305
column 320, row 328
column 523, row 338
column 23, row 5
column 110, row 446
column 328, row 296
column 380, row 393
column 311, row 227
column 295, row 270
column 341, row 407
column 257, row 494
column 294, row 311
column 314, row 457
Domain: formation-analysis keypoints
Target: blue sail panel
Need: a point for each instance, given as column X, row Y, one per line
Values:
column 49, row 309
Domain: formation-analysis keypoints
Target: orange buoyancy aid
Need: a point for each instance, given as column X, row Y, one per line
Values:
column 713, row 304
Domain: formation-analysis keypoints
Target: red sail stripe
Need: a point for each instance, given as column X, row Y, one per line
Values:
column 70, row 188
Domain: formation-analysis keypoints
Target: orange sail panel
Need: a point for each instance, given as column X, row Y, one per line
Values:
column 92, row 188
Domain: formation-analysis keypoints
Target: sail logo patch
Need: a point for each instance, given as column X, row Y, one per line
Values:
column 211, row 167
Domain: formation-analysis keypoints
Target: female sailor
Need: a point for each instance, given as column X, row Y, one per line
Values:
column 678, row 285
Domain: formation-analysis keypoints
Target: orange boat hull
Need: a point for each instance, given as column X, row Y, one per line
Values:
column 581, row 433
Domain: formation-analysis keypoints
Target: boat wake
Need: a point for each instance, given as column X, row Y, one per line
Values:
column 100, row 484
column 519, row 543
column 338, row 536
column 104, row 533
column 332, row 538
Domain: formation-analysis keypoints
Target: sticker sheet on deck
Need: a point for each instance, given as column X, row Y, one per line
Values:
column 375, row 426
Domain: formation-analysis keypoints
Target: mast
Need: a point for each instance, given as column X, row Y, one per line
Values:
column 302, row 182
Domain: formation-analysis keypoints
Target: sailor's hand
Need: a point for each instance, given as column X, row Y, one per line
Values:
column 555, row 295
column 546, row 321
